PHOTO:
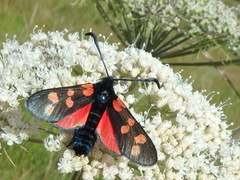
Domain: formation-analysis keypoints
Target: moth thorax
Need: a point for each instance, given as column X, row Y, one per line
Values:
column 83, row 141
column 103, row 97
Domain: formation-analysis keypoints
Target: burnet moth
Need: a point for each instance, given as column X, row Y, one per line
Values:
column 95, row 111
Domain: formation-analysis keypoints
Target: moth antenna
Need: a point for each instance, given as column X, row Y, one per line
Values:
column 101, row 57
column 97, row 45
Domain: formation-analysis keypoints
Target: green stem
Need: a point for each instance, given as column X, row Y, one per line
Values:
column 49, row 132
column 216, row 63
column 192, row 48
column 170, row 46
column 38, row 141
column 109, row 22
column 172, row 42
column 159, row 36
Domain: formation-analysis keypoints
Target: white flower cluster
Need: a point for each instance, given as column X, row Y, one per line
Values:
column 198, row 17
column 13, row 129
column 190, row 135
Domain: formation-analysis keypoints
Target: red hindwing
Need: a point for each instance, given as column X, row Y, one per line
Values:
column 78, row 118
column 107, row 135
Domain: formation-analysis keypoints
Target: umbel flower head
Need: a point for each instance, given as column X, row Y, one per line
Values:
column 190, row 135
column 173, row 28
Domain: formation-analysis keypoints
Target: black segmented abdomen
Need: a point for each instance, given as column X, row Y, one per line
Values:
column 85, row 137
column 83, row 140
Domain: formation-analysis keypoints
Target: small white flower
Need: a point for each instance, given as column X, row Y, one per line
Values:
column 87, row 176
column 110, row 172
column 79, row 162
column 10, row 135
column 65, row 166
column 126, row 173
column 68, row 154
column 52, row 144
column 10, row 138
column 23, row 135
column 123, row 162
column 130, row 99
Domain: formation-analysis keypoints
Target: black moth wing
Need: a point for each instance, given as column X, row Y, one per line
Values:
column 131, row 138
column 57, row 103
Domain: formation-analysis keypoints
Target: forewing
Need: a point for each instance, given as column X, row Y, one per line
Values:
column 122, row 134
column 60, row 103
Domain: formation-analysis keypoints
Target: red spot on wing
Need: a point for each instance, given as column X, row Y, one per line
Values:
column 53, row 97
column 69, row 102
column 125, row 129
column 48, row 109
column 131, row 122
column 106, row 134
column 118, row 105
column 140, row 139
column 87, row 85
column 78, row 118
column 88, row 91
column 135, row 150
column 70, row 92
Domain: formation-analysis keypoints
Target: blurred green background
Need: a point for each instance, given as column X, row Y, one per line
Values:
column 19, row 17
